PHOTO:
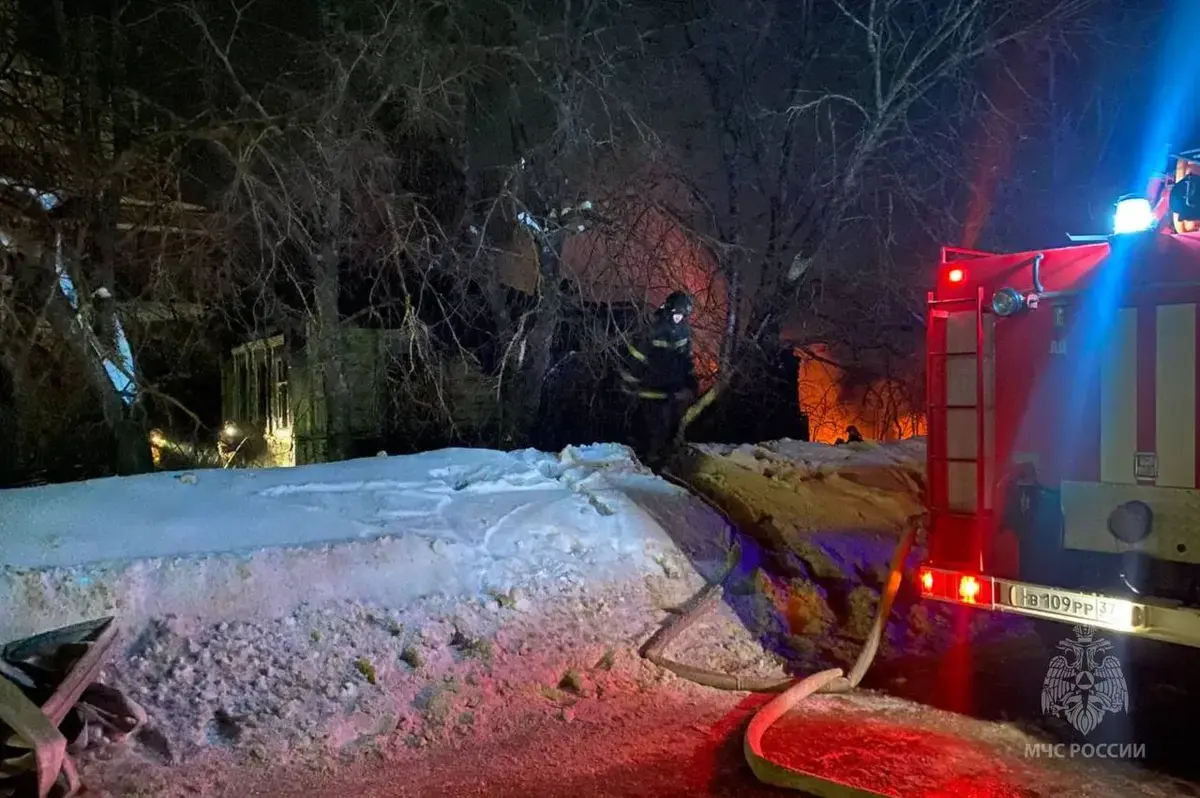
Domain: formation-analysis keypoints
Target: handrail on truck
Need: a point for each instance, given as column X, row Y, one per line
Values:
column 954, row 254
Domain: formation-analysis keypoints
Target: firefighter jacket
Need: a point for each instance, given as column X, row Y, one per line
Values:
column 659, row 365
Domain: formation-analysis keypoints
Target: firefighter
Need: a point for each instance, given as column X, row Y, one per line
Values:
column 852, row 436
column 659, row 372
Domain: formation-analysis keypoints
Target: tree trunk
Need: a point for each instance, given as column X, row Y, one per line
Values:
column 132, row 449
column 539, row 347
column 9, row 455
column 328, row 350
column 729, row 336
column 95, row 68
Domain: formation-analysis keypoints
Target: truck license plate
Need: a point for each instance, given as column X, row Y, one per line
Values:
column 1072, row 606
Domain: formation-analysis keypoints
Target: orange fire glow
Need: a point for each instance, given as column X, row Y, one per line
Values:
column 881, row 410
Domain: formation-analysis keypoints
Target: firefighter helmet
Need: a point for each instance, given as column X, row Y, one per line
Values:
column 677, row 302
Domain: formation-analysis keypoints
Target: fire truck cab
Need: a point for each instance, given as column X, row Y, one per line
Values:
column 1063, row 407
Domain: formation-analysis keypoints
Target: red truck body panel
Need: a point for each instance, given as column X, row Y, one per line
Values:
column 1103, row 371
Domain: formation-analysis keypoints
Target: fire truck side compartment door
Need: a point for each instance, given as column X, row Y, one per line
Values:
column 1175, row 530
column 1175, row 396
column 1147, row 432
column 1148, row 397
column 1118, row 401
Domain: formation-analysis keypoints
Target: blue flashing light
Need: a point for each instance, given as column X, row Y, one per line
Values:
column 1133, row 215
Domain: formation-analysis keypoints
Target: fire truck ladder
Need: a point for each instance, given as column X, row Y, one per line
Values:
column 961, row 411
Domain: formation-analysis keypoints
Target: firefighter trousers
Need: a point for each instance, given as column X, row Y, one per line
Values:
column 657, row 427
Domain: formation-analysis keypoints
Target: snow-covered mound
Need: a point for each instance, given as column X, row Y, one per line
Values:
column 454, row 522
column 820, row 524
column 814, row 457
column 814, row 487
column 500, row 504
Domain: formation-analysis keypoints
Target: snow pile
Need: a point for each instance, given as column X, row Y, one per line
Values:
column 382, row 604
column 497, row 502
column 344, row 677
column 358, row 679
column 814, row 487
column 360, row 682
column 810, row 458
column 820, row 524
column 247, row 543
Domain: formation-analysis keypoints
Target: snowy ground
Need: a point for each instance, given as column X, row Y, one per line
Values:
column 290, row 629
column 382, row 602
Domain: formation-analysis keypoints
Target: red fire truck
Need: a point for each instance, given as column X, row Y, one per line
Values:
column 1062, row 390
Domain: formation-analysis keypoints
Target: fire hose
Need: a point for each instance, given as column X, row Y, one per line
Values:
column 791, row 691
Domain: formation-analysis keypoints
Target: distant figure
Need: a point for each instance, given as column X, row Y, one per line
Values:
column 660, row 373
column 853, row 435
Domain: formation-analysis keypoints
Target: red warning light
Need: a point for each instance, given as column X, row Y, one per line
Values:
column 956, row 275
column 968, row 589
column 927, row 581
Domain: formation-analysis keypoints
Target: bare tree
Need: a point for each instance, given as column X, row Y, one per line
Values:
column 91, row 219
column 549, row 139
column 817, row 143
column 332, row 178
column 509, row 105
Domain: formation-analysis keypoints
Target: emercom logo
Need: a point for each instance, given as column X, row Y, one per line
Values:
column 1084, row 684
